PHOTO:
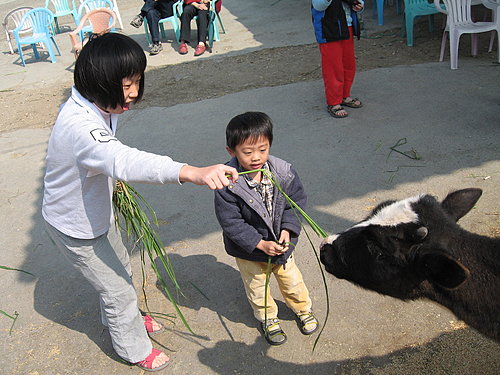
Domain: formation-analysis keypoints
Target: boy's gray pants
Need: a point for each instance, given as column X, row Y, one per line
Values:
column 105, row 263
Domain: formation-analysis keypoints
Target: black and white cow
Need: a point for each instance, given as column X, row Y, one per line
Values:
column 414, row 248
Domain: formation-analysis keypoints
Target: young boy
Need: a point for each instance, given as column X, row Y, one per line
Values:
column 258, row 223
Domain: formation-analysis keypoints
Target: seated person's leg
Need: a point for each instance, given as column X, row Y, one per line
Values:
column 202, row 23
column 153, row 17
column 188, row 14
column 165, row 7
column 139, row 18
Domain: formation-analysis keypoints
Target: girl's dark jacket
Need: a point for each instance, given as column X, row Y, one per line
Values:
column 244, row 218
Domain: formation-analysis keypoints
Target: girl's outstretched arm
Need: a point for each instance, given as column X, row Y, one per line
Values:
column 214, row 176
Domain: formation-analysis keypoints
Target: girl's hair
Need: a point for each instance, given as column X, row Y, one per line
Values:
column 248, row 125
column 102, row 65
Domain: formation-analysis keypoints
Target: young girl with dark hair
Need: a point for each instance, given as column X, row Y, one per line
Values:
column 84, row 158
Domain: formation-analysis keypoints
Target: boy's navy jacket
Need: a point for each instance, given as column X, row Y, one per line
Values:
column 245, row 220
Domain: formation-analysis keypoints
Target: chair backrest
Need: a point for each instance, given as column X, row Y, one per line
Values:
column 13, row 19
column 39, row 18
column 102, row 21
column 458, row 11
column 88, row 5
column 61, row 6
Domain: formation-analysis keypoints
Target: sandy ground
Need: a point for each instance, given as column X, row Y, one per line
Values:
column 57, row 331
column 205, row 78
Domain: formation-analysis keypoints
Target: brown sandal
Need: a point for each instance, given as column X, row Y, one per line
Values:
column 334, row 112
column 353, row 103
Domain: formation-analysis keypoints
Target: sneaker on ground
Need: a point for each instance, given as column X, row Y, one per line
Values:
column 308, row 323
column 137, row 21
column 273, row 332
column 155, row 49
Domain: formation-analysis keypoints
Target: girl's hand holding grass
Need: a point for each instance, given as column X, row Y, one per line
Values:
column 214, row 176
column 271, row 248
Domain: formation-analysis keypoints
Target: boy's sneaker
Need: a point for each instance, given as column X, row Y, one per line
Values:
column 155, row 49
column 137, row 21
column 308, row 323
column 273, row 332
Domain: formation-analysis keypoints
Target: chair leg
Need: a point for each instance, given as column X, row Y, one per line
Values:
column 431, row 23
column 222, row 24
column 443, row 46
column 35, row 51
column 492, row 39
column 20, row 50
column 454, row 42
column 146, row 30
column 55, row 45
column 474, row 43
column 409, row 30
column 380, row 12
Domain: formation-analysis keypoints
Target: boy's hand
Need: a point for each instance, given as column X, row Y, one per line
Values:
column 285, row 238
column 214, row 176
column 271, row 248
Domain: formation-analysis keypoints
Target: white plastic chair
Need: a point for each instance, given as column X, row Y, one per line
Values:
column 494, row 5
column 458, row 22
column 12, row 20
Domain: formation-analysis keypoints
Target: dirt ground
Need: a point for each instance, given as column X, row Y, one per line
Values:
column 263, row 68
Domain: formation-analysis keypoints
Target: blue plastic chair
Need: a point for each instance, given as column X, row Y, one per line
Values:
column 378, row 9
column 174, row 21
column 415, row 8
column 62, row 8
column 88, row 5
column 40, row 19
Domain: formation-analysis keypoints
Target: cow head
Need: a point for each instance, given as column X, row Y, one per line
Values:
column 401, row 244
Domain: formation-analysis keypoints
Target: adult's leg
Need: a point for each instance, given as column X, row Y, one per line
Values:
column 103, row 266
column 153, row 17
column 148, row 6
column 188, row 14
column 202, row 24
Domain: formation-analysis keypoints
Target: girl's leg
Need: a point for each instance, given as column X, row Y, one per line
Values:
column 108, row 270
column 292, row 287
column 333, row 71
column 253, row 275
column 349, row 63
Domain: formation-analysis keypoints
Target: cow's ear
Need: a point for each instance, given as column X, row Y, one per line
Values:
column 442, row 269
column 458, row 203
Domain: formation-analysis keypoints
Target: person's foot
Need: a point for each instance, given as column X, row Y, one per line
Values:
column 337, row 111
column 308, row 323
column 183, row 49
column 155, row 48
column 152, row 326
column 273, row 332
column 156, row 361
column 137, row 21
column 200, row 49
column 352, row 102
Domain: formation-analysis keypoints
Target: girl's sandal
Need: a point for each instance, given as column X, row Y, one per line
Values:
column 147, row 364
column 150, row 328
column 352, row 102
column 335, row 112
